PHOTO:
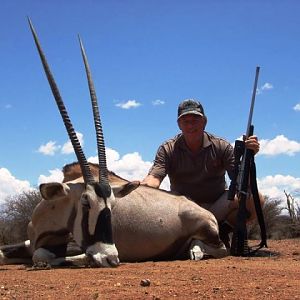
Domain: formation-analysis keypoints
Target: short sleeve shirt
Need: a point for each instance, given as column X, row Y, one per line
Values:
column 201, row 176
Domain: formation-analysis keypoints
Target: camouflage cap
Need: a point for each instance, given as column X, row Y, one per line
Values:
column 190, row 106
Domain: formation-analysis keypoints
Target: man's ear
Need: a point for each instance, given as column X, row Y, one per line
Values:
column 125, row 189
column 178, row 123
column 205, row 121
column 54, row 190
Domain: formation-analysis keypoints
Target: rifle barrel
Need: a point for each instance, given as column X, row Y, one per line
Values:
column 252, row 102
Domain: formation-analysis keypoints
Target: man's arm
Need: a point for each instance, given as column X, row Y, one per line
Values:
column 158, row 171
column 152, row 181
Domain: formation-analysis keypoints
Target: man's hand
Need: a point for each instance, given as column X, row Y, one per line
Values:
column 152, row 181
column 252, row 143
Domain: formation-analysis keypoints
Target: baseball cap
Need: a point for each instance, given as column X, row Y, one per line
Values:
column 190, row 106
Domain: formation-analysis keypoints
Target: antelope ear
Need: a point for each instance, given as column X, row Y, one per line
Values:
column 54, row 190
column 125, row 189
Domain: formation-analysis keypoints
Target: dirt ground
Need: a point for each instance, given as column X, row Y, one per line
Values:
column 268, row 277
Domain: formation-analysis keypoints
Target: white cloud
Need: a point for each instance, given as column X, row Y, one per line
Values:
column 49, row 149
column 279, row 145
column 67, row 148
column 274, row 186
column 56, row 175
column 129, row 104
column 131, row 166
column 9, row 185
column 158, row 102
column 297, row 107
column 265, row 87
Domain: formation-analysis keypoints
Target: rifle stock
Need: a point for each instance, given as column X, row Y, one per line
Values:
column 239, row 245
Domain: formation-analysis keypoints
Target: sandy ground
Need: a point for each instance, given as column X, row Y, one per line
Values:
column 269, row 277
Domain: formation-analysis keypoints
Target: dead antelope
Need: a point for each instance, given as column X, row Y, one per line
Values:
column 146, row 224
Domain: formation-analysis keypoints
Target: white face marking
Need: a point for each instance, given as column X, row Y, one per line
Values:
column 104, row 255
column 95, row 206
column 196, row 253
column 197, row 247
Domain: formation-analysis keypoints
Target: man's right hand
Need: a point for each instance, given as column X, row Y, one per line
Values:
column 151, row 181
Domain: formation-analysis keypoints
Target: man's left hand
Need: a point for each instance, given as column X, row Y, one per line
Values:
column 252, row 143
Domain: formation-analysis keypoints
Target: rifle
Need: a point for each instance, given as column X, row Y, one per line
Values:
column 245, row 170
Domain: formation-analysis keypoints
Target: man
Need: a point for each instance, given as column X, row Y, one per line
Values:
column 196, row 162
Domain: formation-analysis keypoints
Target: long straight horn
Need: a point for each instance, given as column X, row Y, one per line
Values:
column 103, row 176
column 86, row 172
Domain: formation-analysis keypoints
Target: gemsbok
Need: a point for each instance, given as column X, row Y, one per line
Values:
column 145, row 224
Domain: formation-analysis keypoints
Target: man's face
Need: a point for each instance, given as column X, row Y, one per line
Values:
column 192, row 125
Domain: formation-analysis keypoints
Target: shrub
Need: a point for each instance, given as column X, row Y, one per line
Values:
column 15, row 216
column 278, row 225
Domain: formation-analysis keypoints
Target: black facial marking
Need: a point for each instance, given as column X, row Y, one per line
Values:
column 86, row 237
column 103, row 230
column 102, row 190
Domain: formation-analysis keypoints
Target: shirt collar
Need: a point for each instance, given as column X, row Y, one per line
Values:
column 206, row 141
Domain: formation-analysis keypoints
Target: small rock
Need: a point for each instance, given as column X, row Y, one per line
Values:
column 95, row 296
column 145, row 282
column 216, row 289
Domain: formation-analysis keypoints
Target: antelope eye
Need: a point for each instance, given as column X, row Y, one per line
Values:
column 85, row 202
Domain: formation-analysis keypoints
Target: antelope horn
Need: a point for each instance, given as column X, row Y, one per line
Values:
column 103, row 173
column 86, row 172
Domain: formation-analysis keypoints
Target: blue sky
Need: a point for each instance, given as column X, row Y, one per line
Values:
column 146, row 57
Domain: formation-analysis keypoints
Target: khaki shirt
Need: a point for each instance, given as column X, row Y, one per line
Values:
column 201, row 176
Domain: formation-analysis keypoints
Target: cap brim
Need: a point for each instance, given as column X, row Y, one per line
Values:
column 191, row 112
